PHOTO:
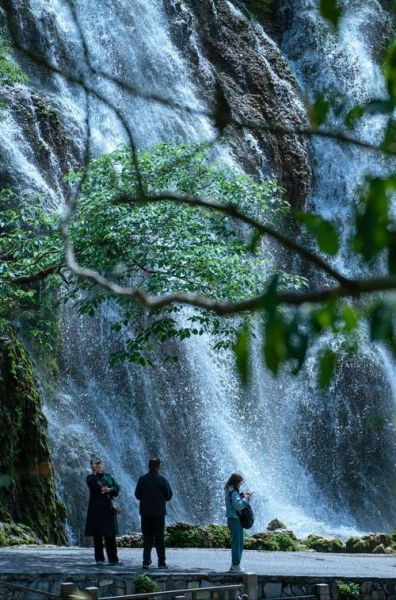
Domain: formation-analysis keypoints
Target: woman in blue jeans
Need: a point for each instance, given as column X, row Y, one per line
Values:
column 234, row 502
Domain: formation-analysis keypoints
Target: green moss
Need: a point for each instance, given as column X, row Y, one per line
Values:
column 27, row 486
column 275, row 524
column 15, row 534
column 10, row 72
column 271, row 541
column 368, row 543
column 324, row 544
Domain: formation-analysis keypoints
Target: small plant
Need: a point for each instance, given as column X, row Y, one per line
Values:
column 348, row 590
column 144, row 583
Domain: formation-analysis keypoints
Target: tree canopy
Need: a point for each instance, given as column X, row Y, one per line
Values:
column 162, row 228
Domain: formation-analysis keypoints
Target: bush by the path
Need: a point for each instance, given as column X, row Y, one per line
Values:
column 185, row 535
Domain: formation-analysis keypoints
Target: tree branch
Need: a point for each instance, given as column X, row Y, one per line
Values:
column 233, row 212
column 291, row 298
column 35, row 277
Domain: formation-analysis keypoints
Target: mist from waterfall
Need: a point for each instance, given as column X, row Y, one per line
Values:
column 194, row 415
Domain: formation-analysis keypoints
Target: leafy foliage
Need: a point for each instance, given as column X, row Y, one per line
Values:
column 144, row 583
column 161, row 247
column 10, row 72
column 164, row 247
column 348, row 589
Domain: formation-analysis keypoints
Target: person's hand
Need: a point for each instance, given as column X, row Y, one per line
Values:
column 249, row 494
column 105, row 489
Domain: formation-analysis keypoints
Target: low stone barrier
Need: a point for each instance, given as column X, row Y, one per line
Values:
column 268, row 588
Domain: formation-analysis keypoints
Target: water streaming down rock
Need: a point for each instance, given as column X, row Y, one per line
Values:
column 349, row 446
column 194, row 415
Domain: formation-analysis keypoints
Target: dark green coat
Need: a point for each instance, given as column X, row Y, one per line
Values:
column 101, row 520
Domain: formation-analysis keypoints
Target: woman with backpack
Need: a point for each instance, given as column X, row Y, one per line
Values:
column 235, row 503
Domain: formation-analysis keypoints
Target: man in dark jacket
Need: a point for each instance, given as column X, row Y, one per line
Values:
column 153, row 491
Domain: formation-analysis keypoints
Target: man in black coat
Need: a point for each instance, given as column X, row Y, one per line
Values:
column 153, row 491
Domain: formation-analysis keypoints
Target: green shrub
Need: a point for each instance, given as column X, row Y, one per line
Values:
column 183, row 535
column 144, row 583
column 285, row 541
column 348, row 590
column 10, row 72
column 219, row 535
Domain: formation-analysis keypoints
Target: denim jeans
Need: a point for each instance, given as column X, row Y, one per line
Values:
column 236, row 539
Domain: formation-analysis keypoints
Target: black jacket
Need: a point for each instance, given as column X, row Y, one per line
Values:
column 100, row 518
column 153, row 491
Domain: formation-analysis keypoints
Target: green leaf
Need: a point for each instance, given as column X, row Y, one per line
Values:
column 381, row 323
column 392, row 252
column 241, row 349
column 350, row 317
column 389, row 69
column 327, row 367
column 389, row 142
column 318, row 112
column 330, row 10
column 354, row 115
column 296, row 343
column 372, row 218
column 324, row 231
column 275, row 349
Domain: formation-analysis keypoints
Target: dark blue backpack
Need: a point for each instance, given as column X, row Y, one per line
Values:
column 246, row 515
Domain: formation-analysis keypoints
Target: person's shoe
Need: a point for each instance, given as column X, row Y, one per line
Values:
column 100, row 562
column 236, row 569
column 146, row 565
column 116, row 563
column 163, row 566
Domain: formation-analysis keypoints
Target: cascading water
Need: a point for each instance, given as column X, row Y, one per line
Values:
column 194, row 415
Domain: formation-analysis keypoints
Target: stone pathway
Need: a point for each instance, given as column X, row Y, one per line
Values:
column 73, row 560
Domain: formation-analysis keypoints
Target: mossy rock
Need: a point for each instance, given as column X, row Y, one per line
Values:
column 27, row 491
column 321, row 543
column 262, row 541
column 275, row 524
column 368, row 543
column 16, row 534
column 184, row 535
column 135, row 540
column 272, row 541
column 219, row 535
column 393, row 536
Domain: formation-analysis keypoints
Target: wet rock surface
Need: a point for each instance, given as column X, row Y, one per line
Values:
column 27, row 493
column 227, row 49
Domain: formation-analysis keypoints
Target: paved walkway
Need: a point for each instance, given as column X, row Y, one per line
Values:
column 72, row 560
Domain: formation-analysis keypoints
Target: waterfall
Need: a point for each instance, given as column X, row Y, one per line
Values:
column 194, row 415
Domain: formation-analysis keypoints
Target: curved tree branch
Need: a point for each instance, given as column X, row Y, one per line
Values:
column 232, row 211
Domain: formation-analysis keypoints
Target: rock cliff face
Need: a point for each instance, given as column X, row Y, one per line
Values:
column 226, row 48
column 350, row 438
column 27, row 484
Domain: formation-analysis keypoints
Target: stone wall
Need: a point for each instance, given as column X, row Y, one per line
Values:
column 269, row 588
